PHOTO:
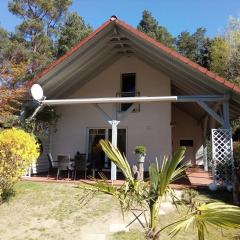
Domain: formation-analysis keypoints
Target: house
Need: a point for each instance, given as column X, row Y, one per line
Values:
column 120, row 82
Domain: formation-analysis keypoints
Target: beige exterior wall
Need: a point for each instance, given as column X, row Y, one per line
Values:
column 42, row 163
column 187, row 128
column 149, row 127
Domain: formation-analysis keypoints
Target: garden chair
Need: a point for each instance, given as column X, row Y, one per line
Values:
column 63, row 164
column 80, row 165
column 52, row 164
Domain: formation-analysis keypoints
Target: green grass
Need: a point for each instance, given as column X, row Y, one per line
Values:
column 49, row 211
column 131, row 235
column 41, row 211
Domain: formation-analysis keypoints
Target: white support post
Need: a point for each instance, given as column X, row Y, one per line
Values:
column 114, row 124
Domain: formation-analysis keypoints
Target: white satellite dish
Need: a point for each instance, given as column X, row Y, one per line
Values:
column 37, row 92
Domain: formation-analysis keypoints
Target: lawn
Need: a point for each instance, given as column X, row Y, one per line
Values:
column 55, row 211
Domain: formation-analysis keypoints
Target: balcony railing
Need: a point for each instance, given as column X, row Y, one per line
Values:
column 122, row 107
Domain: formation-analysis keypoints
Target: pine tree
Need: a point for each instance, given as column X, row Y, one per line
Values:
column 150, row 26
column 39, row 28
column 195, row 46
column 72, row 31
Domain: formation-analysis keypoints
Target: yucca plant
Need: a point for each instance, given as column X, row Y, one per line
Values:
column 144, row 195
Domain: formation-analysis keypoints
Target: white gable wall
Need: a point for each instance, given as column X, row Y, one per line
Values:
column 149, row 127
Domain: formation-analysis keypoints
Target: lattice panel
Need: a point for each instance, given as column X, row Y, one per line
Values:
column 222, row 155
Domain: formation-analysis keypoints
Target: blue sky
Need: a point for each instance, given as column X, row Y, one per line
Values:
column 176, row 15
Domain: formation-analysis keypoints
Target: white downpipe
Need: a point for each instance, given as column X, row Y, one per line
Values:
column 114, row 124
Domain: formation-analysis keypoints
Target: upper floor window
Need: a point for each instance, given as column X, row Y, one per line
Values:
column 128, row 84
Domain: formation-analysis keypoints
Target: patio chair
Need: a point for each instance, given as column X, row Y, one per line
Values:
column 63, row 164
column 52, row 164
column 80, row 165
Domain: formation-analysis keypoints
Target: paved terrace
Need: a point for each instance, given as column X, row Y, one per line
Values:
column 195, row 177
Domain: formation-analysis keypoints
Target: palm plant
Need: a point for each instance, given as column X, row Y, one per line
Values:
column 203, row 215
column 147, row 196
column 133, row 193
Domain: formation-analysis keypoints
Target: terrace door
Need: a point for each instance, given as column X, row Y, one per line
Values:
column 96, row 156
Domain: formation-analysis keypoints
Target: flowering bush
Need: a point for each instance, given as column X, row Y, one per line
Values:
column 18, row 150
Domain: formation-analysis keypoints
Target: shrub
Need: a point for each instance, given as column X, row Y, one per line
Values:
column 140, row 150
column 18, row 150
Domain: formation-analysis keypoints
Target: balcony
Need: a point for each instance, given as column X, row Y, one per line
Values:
column 122, row 107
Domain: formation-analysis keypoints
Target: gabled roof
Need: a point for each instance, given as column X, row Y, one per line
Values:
column 181, row 58
column 142, row 35
column 114, row 39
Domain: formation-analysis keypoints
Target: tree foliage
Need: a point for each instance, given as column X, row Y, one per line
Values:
column 195, row 46
column 13, row 68
column 43, row 34
column 150, row 26
column 72, row 31
column 40, row 24
column 39, row 16
column 219, row 56
column 225, row 52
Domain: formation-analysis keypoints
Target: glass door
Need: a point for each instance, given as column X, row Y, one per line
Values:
column 96, row 156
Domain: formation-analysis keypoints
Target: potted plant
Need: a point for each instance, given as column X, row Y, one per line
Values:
column 140, row 153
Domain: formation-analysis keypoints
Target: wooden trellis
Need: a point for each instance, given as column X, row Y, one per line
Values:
column 222, row 158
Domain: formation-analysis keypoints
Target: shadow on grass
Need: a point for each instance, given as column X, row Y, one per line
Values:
column 219, row 195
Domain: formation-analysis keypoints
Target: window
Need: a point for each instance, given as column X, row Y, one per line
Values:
column 186, row 143
column 128, row 82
